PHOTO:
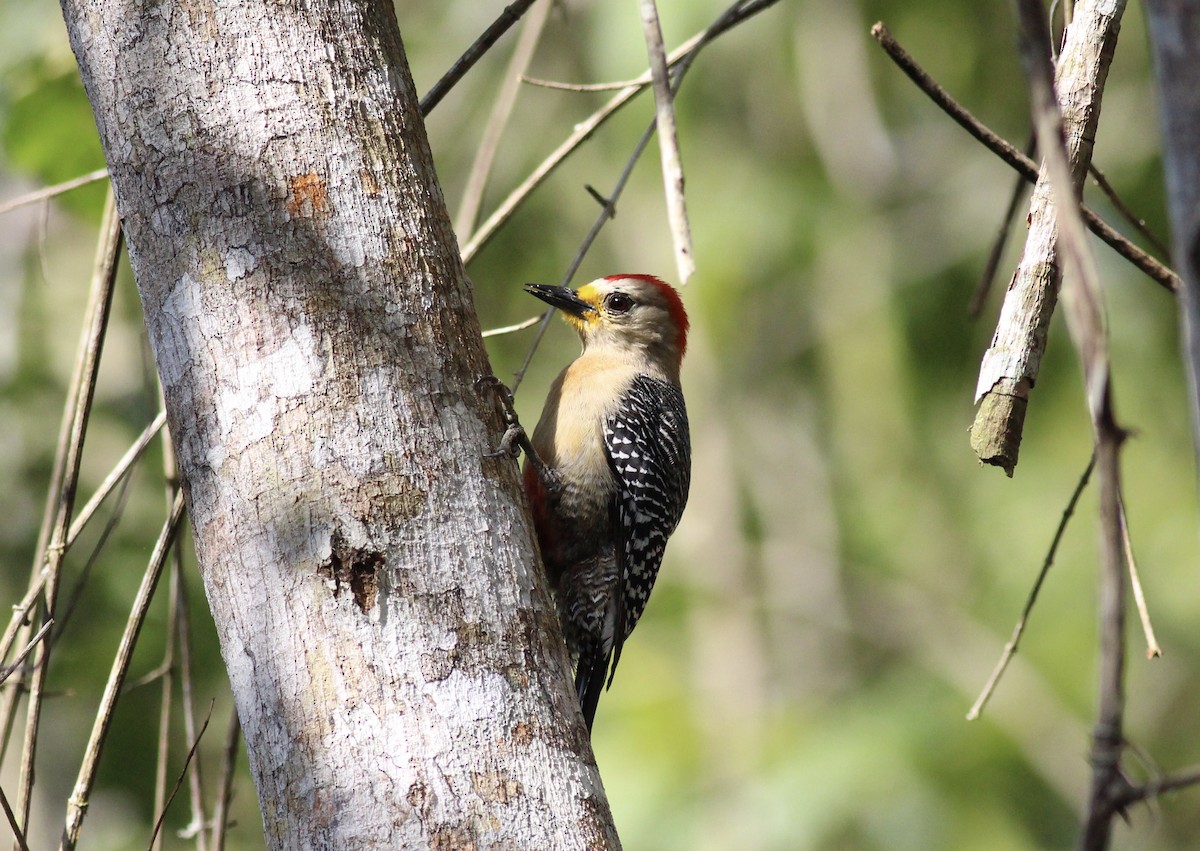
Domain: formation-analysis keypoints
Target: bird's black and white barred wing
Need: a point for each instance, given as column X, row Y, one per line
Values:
column 649, row 451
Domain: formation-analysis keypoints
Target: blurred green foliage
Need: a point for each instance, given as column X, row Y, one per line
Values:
column 846, row 574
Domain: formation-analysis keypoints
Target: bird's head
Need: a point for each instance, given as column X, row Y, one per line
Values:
column 638, row 313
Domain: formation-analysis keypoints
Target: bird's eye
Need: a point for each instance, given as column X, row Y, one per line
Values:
column 618, row 303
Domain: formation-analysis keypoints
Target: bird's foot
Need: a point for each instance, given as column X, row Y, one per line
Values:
column 516, row 439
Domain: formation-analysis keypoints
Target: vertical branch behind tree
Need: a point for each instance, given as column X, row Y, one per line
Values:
column 1175, row 42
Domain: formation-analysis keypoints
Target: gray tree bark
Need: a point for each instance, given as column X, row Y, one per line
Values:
column 395, row 661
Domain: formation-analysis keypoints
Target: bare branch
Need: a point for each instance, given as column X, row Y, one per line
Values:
column 1134, row 794
column 18, row 834
column 586, row 87
column 78, row 802
column 1016, row 160
column 63, row 489
column 233, row 735
column 511, row 14
column 1152, row 648
column 1010, row 649
column 52, row 191
column 187, row 761
column 734, row 15
column 481, row 168
column 163, row 745
column 511, row 329
column 1088, row 50
column 1133, row 218
column 668, row 142
column 183, row 634
column 1011, row 364
column 8, row 670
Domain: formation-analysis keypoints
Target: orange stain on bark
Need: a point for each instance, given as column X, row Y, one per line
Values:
column 308, row 195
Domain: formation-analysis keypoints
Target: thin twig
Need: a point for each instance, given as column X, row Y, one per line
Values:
column 586, row 87
column 501, row 114
column 1017, row 161
column 166, row 669
column 51, row 191
column 512, row 329
column 162, row 812
column 1083, row 313
column 734, row 15
column 42, row 233
column 115, row 476
column 180, row 624
column 7, row 670
column 233, row 736
column 1121, row 207
column 78, row 802
column 1010, row 649
column 119, row 471
column 154, row 675
column 511, row 14
column 1172, row 783
column 84, row 382
column 668, row 142
column 18, row 834
column 1108, row 737
column 183, row 624
column 1152, row 648
column 163, row 746
column 67, row 611
column 608, row 210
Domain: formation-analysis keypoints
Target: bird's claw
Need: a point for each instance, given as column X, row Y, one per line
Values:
column 515, row 439
column 510, row 443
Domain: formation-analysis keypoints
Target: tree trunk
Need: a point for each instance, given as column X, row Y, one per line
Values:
column 395, row 660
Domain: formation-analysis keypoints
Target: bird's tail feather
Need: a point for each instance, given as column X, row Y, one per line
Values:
column 589, row 683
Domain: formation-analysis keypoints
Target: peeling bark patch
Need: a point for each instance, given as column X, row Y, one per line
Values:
column 495, row 787
column 403, row 501
column 472, row 649
column 354, row 568
column 452, row 838
column 308, row 196
column 418, row 796
column 369, row 184
column 467, row 654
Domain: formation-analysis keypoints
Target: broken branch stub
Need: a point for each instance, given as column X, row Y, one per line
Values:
column 1010, row 366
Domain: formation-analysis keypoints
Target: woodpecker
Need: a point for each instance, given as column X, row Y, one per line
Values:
column 608, row 478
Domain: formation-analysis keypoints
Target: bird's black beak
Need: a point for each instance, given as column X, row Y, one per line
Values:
column 564, row 298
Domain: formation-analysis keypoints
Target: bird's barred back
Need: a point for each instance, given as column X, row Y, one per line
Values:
column 648, row 447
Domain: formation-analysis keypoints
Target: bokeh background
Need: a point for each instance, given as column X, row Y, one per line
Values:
column 846, row 573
